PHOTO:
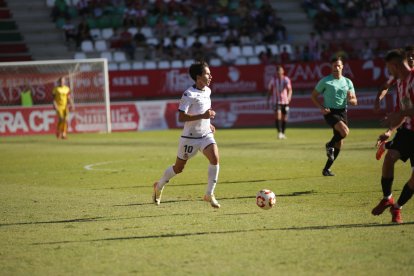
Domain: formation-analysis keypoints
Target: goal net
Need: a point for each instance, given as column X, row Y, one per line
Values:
column 88, row 81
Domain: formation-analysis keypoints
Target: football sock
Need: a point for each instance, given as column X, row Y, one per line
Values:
column 386, row 184
column 213, row 171
column 335, row 138
column 405, row 196
column 330, row 162
column 283, row 126
column 277, row 125
column 168, row 174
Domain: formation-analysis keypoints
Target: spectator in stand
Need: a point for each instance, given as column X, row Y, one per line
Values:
column 230, row 57
column 313, row 46
column 223, row 21
column 284, row 56
column 197, row 49
column 210, row 49
column 265, row 58
column 280, row 30
column 70, row 31
column 141, row 14
column 127, row 43
column 59, row 9
column 366, row 53
column 325, row 52
column 83, row 8
column 83, row 32
column 231, row 36
column 130, row 16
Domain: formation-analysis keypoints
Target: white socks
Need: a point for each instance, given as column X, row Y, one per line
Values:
column 168, row 174
column 213, row 171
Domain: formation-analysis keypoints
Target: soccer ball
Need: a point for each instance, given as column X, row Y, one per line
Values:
column 265, row 199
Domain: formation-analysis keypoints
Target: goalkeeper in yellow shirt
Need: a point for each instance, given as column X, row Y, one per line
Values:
column 61, row 103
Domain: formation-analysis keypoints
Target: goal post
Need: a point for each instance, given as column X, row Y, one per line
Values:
column 88, row 80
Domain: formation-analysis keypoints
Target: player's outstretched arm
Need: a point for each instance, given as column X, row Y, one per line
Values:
column 352, row 99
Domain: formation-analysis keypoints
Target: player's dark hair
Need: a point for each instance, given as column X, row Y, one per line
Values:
column 197, row 68
column 397, row 55
column 337, row 58
column 409, row 48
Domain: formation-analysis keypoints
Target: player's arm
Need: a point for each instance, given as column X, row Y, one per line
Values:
column 70, row 100
column 185, row 117
column 352, row 99
column 380, row 95
column 317, row 103
column 395, row 119
column 289, row 92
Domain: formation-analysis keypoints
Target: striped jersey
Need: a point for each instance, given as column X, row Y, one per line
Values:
column 195, row 102
column 279, row 88
column 405, row 98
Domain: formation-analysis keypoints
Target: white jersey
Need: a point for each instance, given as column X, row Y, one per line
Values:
column 195, row 102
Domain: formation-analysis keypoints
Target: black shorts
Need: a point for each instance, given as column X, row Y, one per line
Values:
column 284, row 108
column 403, row 142
column 335, row 116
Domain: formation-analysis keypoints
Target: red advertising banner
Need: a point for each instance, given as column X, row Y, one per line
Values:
column 150, row 115
column 170, row 83
column 247, row 79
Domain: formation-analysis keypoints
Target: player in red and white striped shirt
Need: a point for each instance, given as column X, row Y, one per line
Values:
column 402, row 145
column 279, row 95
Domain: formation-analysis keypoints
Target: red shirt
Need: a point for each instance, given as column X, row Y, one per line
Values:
column 405, row 98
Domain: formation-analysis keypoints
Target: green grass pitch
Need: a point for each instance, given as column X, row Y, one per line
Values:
column 83, row 207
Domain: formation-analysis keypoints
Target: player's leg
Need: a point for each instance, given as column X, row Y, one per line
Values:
column 277, row 119
column 405, row 196
column 284, row 118
column 59, row 126
column 65, row 123
column 212, row 154
column 387, row 179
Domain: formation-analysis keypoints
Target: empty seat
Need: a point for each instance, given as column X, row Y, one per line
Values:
column 163, row 64
column 107, row 33
column 125, row 66
column 253, row 60
column 79, row 55
column 119, row 56
column 241, row 61
column 221, row 51
column 177, row 64
column 188, row 62
column 236, row 50
column 215, row 62
column 96, row 33
column 87, row 46
column 100, row 45
column 138, row 65
column 147, row 31
column 112, row 66
column 133, row 30
column 150, row 65
column 247, row 51
column 107, row 55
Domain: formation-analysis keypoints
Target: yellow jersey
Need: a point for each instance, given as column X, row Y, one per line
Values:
column 60, row 95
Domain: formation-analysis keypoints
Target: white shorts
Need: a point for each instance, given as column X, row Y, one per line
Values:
column 188, row 147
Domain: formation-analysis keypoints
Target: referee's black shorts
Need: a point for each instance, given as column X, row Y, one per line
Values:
column 335, row 116
column 403, row 142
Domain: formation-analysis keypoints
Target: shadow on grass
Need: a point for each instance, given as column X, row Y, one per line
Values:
column 221, row 198
column 178, row 235
column 221, row 183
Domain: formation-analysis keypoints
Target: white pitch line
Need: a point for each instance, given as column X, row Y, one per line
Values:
column 91, row 167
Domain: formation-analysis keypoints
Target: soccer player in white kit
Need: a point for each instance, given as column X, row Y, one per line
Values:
column 198, row 133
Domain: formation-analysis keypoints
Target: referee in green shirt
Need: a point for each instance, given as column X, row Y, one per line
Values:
column 337, row 92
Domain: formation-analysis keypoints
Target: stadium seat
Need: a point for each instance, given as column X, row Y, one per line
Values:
column 96, row 33
column 247, row 51
column 119, row 56
column 87, row 46
column 100, row 45
column 190, row 40
column 215, row 62
column 188, row 62
column 107, row 55
column 236, row 50
column 253, row 60
column 221, row 51
column 177, row 64
column 147, row 31
column 113, row 66
column 138, row 65
column 274, row 49
column 164, row 64
column 152, row 41
column 203, row 39
column 259, row 48
column 107, row 33
column 79, row 55
column 241, row 61
column 123, row 66
column 133, row 30
column 150, row 64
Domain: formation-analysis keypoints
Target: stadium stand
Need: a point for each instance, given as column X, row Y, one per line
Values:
column 12, row 44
